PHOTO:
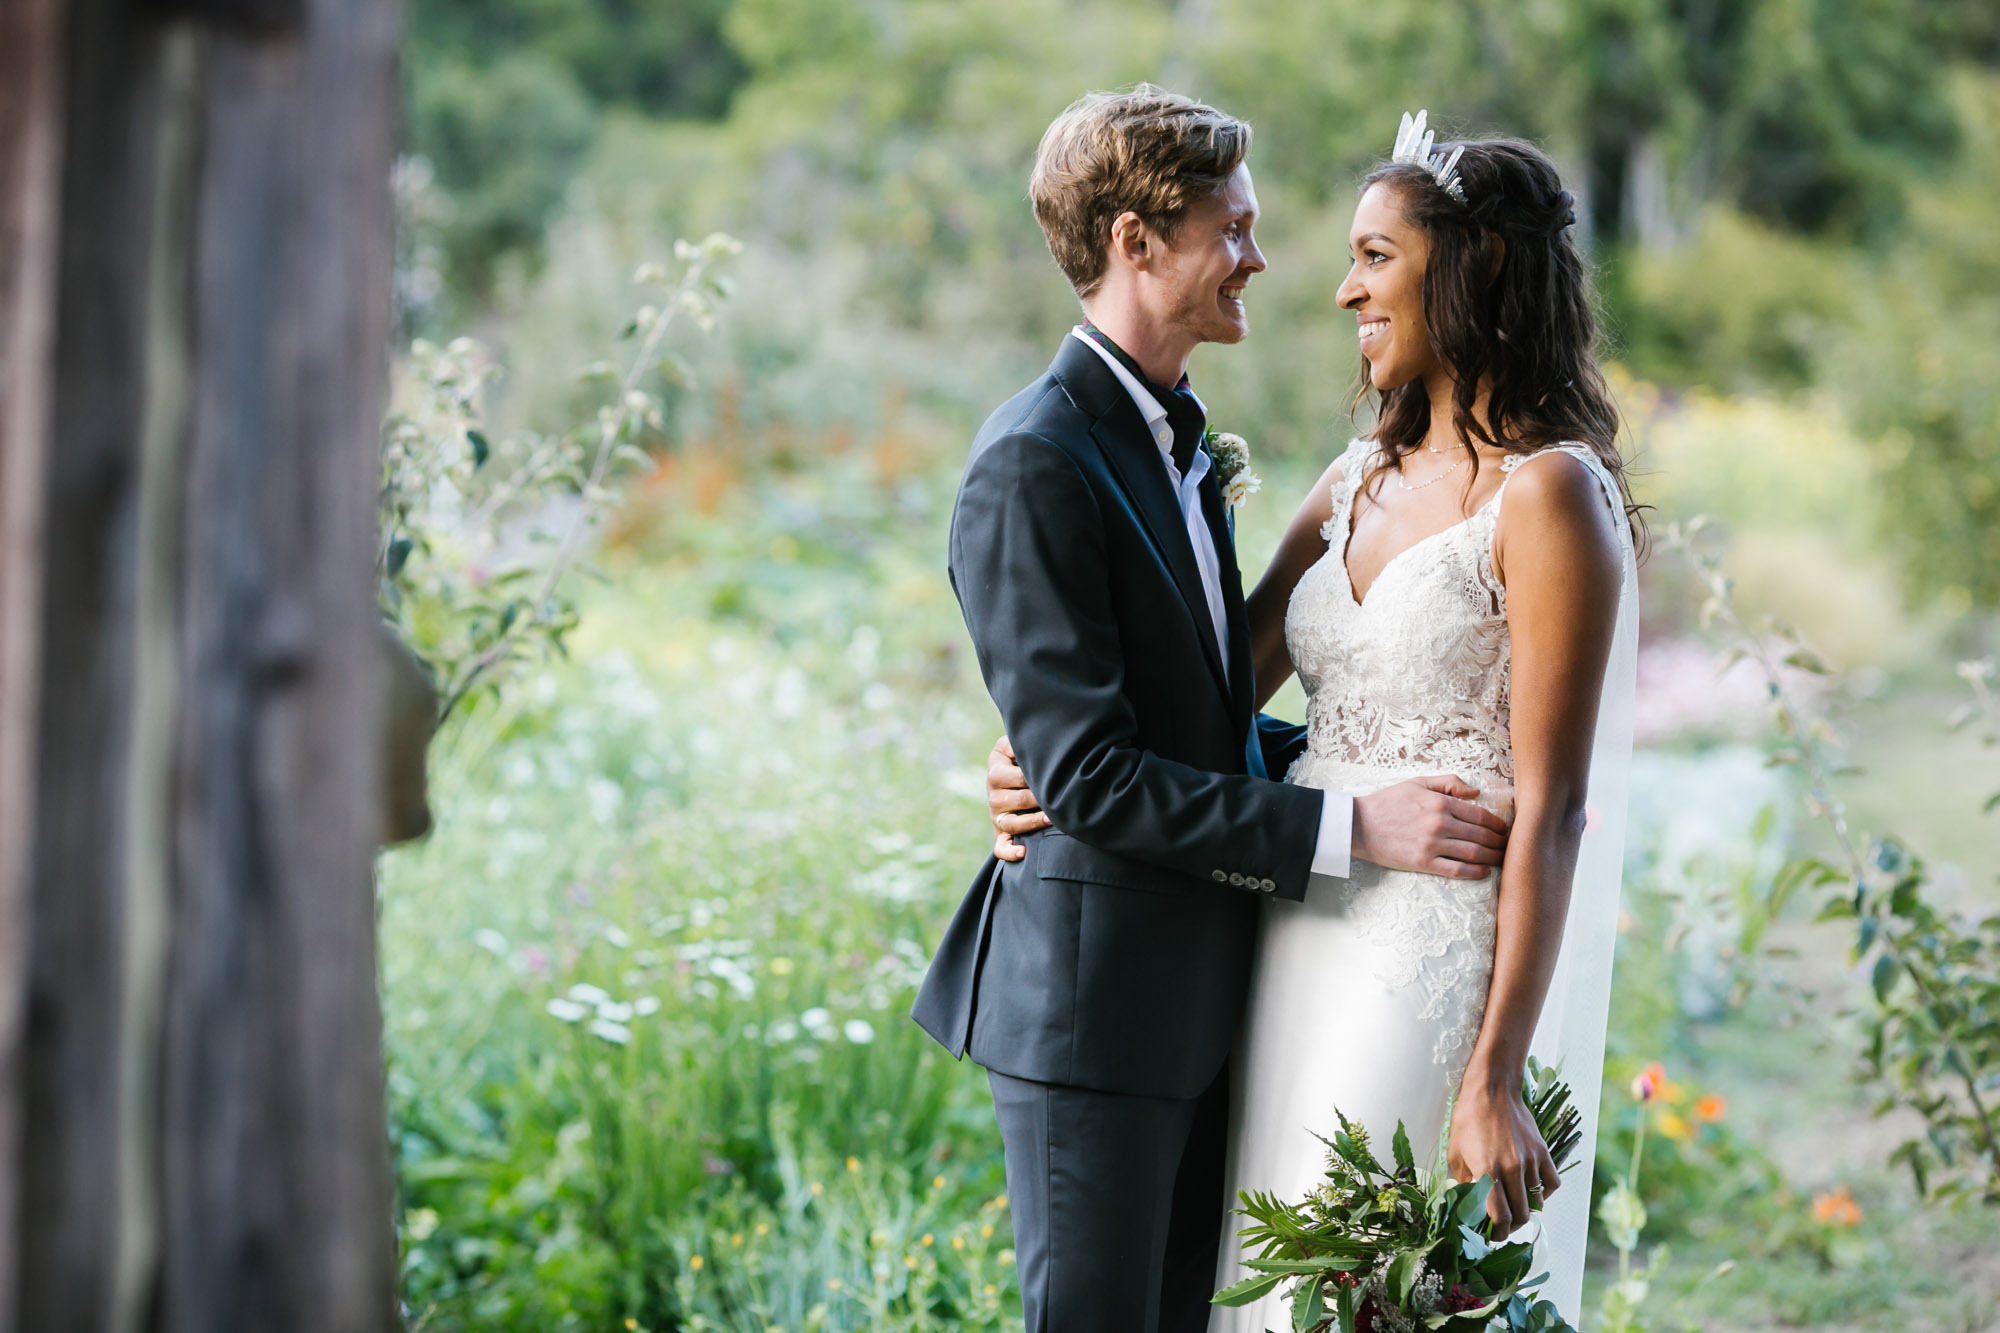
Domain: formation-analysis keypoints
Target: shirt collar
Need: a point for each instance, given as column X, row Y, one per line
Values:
column 1149, row 406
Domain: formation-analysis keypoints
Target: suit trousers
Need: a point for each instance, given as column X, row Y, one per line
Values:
column 1117, row 1204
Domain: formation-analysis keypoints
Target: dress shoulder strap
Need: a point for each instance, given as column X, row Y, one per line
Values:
column 1586, row 455
column 1353, row 463
column 1355, row 458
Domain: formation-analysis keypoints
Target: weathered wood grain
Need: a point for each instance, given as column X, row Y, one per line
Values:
column 30, row 146
column 72, row 1080
column 276, row 1190
column 194, row 311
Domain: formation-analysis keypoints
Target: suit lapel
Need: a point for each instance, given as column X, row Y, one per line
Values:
column 1145, row 481
column 1135, row 460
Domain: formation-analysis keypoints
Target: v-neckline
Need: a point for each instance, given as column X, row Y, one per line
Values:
column 1360, row 599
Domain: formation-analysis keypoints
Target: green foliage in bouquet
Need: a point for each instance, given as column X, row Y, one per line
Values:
column 1403, row 1239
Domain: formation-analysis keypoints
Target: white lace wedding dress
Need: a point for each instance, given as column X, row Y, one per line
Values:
column 1368, row 996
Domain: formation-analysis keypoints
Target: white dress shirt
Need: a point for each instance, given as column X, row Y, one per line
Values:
column 1333, row 850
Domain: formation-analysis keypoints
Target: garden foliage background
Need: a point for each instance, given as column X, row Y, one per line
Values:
column 646, row 983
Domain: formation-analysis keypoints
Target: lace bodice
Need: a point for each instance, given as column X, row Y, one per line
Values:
column 1413, row 681
column 1415, row 678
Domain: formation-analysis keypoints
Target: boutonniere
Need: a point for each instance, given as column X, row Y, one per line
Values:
column 1232, row 467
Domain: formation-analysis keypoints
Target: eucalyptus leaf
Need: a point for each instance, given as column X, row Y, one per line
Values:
column 1402, row 1276
column 1472, row 1207
column 1246, row 1291
column 1294, row 1266
column 1308, row 1305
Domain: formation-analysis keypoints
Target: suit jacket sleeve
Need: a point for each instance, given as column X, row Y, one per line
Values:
column 1029, row 565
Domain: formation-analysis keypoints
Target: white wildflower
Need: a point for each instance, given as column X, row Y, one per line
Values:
column 615, row 1033
column 1232, row 467
column 569, row 1011
column 605, row 796
column 859, row 1031
column 1240, row 487
column 788, row 697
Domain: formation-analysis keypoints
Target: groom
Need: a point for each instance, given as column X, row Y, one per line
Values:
column 1101, row 979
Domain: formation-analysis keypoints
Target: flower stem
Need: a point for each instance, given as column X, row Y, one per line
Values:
column 1638, row 1150
column 1632, row 1184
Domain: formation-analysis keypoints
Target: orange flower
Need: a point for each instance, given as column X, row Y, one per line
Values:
column 1710, row 1109
column 1836, row 1208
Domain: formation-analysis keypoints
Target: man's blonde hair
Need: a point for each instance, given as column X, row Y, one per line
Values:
column 1147, row 151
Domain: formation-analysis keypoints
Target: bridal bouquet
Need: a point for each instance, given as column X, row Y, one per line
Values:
column 1393, row 1249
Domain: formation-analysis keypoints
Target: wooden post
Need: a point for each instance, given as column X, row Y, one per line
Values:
column 73, row 1087
column 276, row 1186
column 29, row 153
column 187, row 613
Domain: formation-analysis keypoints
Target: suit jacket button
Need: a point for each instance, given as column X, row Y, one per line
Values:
column 1237, row 880
column 1219, row 876
column 1269, row 886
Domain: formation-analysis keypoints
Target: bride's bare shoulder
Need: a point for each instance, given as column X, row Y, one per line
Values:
column 1558, row 499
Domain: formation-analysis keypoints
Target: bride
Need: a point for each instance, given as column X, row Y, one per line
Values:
column 1450, row 596
column 1457, row 595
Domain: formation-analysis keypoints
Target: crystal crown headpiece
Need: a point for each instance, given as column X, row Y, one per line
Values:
column 1413, row 145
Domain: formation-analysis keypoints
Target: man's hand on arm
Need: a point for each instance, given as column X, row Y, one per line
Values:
column 1013, row 807
column 1429, row 825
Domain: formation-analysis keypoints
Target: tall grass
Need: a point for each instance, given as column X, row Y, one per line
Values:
column 648, row 982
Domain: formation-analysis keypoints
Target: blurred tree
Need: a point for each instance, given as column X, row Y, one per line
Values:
column 504, row 141
column 1833, row 103
column 504, row 95
column 1808, row 113
column 664, row 57
column 1916, row 367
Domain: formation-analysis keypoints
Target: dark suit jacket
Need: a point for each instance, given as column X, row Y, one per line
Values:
column 1116, row 956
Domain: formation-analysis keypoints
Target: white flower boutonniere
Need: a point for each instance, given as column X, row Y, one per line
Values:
column 1232, row 467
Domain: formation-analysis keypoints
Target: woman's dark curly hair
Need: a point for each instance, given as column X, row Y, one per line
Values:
column 1525, row 330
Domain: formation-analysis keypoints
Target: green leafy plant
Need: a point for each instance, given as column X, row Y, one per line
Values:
column 479, row 533
column 1932, row 1026
column 1402, row 1238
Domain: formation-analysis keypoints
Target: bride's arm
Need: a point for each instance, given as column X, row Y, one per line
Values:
column 1299, row 549
column 1556, row 552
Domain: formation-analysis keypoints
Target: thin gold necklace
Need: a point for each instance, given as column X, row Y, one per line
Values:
column 1404, row 482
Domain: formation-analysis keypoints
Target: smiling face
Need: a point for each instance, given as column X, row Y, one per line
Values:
column 1198, row 278
column 1385, row 290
